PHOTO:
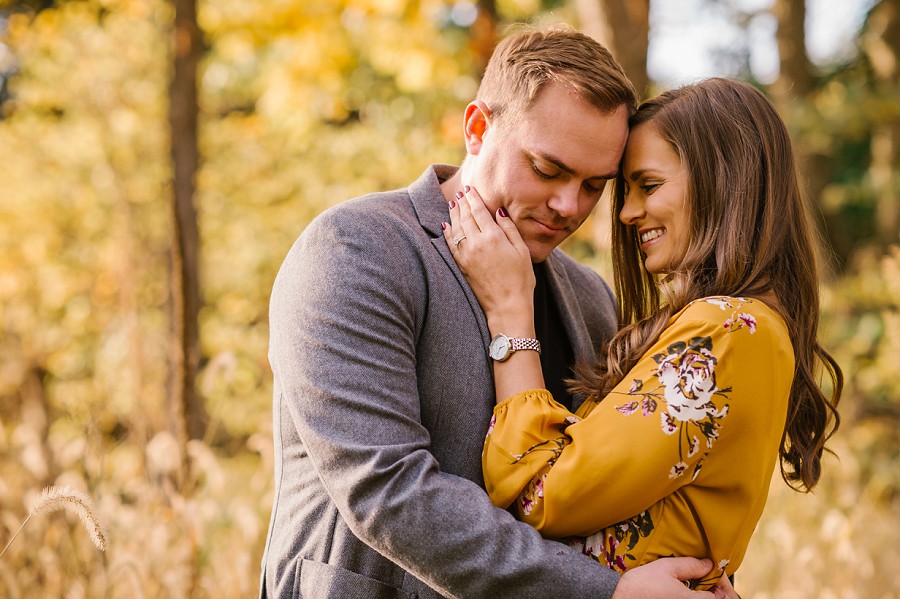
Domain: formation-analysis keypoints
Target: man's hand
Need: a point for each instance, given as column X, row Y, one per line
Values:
column 724, row 590
column 662, row 579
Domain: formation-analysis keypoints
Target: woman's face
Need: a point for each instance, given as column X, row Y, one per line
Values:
column 656, row 201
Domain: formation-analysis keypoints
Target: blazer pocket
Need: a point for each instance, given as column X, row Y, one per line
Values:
column 326, row 581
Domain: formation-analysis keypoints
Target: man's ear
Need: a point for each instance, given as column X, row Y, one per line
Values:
column 477, row 122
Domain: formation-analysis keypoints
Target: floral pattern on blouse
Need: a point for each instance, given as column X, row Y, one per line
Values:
column 614, row 545
column 686, row 384
column 534, row 491
column 737, row 320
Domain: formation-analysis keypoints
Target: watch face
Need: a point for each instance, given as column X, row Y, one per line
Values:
column 500, row 347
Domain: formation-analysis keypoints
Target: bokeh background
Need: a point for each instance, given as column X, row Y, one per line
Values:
column 158, row 159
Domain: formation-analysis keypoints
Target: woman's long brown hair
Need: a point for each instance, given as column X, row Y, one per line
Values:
column 751, row 233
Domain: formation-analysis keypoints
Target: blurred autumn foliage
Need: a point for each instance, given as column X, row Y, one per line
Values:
column 301, row 105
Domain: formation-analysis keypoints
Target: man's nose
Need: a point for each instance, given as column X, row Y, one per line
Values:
column 566, row 200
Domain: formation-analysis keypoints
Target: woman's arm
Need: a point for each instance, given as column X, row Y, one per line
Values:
column 705, row 378
column 497, row 265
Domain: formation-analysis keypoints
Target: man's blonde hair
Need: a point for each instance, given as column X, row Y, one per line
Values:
column 526, row 61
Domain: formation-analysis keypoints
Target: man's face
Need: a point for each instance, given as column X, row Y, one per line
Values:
column 549, row 167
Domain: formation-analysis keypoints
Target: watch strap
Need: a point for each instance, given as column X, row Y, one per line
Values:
column 517, row 343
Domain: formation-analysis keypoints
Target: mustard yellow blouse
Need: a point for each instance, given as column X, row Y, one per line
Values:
column 676, row 460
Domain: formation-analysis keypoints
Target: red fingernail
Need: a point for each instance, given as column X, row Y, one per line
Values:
column 502, row 212
column 459, row 195
column 443, row 226
column 467, row 188
column 452, row 204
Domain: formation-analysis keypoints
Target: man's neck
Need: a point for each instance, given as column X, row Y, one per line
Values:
column 452, row 185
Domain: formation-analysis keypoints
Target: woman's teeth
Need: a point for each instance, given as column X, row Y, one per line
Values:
column 651, row 234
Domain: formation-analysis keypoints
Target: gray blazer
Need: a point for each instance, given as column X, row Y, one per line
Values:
column 383, row 394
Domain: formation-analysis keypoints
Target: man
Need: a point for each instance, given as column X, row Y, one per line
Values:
column 383, row 385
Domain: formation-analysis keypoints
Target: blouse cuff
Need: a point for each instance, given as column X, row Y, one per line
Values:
column 531, row 395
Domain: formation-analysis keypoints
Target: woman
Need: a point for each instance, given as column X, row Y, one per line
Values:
column 711, row 378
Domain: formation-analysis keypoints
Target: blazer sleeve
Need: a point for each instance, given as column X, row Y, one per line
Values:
column 344, row 321
column 576, row 474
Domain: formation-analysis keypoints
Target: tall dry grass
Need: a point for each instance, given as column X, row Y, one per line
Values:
column 52, row 499
column 841, row 541
column 837, row 543
column 205, row 542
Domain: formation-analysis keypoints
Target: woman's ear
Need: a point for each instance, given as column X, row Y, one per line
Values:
column 477, row 122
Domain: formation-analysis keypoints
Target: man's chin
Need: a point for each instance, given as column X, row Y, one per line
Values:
column 539, row 252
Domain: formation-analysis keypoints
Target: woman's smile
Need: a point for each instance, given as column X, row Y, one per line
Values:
column 651, row 234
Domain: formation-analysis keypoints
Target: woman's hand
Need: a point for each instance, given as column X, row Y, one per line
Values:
column 497, row 264
column 494, row 259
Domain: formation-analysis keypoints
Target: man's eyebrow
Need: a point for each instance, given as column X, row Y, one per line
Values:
column 564, row 167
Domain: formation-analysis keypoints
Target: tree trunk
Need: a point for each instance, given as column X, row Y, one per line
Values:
column 795, row 85
column 882, row 45
column 484, row 34
column 186, row 412
column 795, row 80
column 624, row 28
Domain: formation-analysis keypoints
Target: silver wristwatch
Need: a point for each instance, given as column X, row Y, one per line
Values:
column 502, row 347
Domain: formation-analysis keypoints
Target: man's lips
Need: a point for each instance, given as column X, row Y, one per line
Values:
column 549, row 229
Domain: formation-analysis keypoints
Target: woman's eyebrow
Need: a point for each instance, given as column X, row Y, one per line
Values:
column 637, row 174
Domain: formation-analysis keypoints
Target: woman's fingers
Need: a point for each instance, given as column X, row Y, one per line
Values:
column 470, row 226
column 474, row 205
column 453, row 231
column 490, row 254
column 463, row 223
column 508, row 227
column 471, row 221
column 486, row 221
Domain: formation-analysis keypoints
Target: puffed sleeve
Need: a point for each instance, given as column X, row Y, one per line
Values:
column 575, row 474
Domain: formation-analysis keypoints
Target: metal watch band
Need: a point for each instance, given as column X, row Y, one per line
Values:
column 517, row 343
column 503, row 346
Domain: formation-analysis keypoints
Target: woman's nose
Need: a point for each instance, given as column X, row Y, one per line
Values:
column 632, row 210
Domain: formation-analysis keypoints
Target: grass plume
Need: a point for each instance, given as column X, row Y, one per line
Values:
column 53, row 499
